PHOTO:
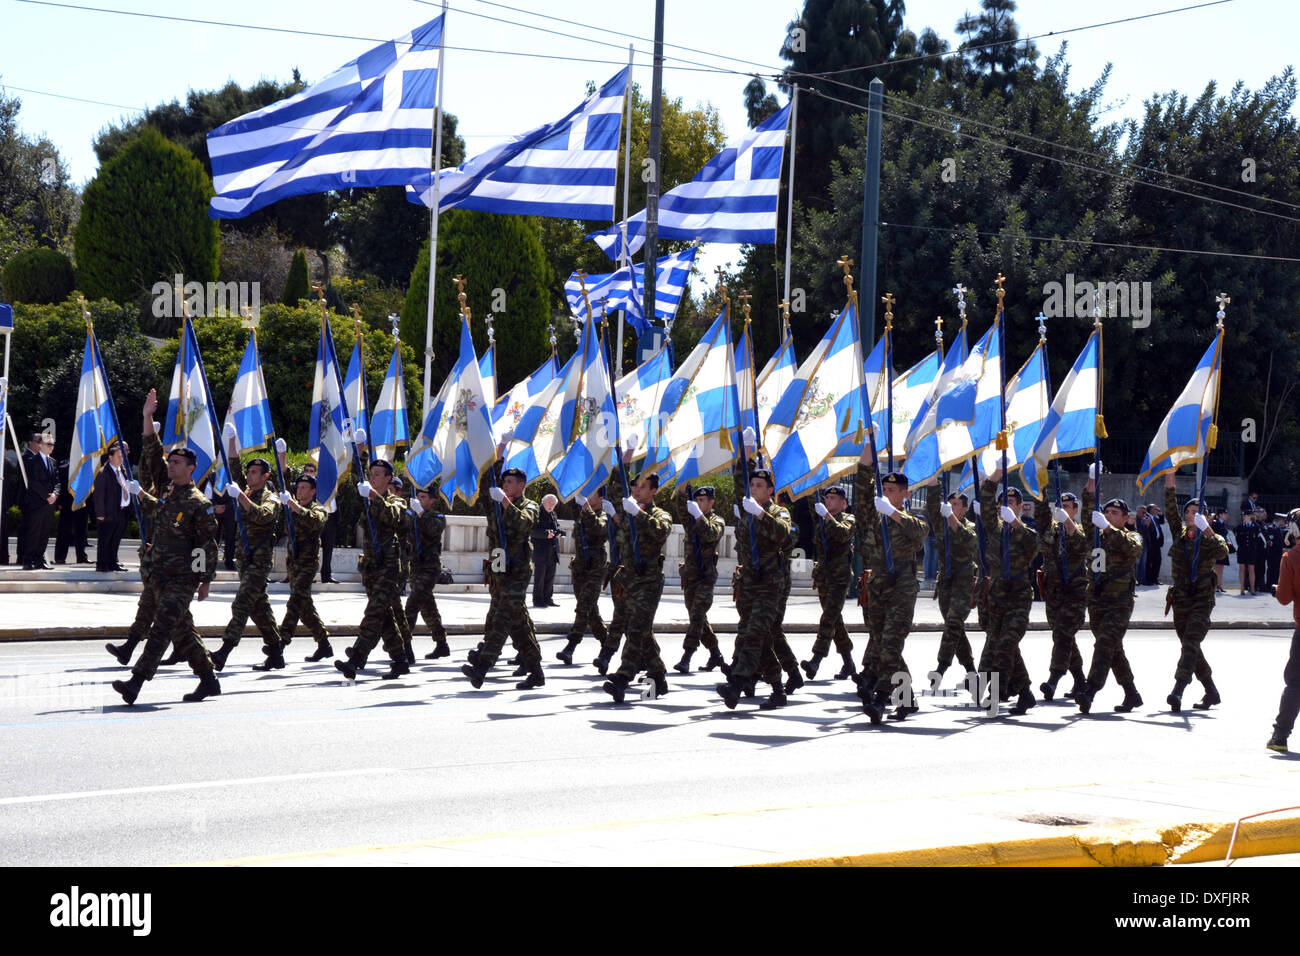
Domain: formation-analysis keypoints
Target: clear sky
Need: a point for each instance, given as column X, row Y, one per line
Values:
column 130, row 62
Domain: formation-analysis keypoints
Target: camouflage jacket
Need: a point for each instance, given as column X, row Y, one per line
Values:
column 184, row 534
column 702, row 537
column 1023, row 546
column 906, row 536
column 307, row 526
column 834, row 545
column 262, row 521
column 963, row 542
column 388, row 515
column 590, row 529
column 1121, row 549
column 1212, row 549
column 429, row 527
column 770, row 534
column 1078, row 543
column 518, row 517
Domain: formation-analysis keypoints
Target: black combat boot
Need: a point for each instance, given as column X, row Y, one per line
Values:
column 1023, row 702
column 123, row 651
column 323, row 650
column 535, row 677
column 175, row 657
column 521, row 670
column 601, row 662
column 566, row 656
column 1048, row 687
column 730, row 691
column 1277, row 742
column 441, row 649
column 810, row 666
column 347, row 668
column 1175, row 698
column 208, row 687
column 221, row 653
column 1131, row 699
column 874, row 706
column 1080, row 683
column 397, row 667
column 715, row 658
column 751, row 687
column 1083, row 698
column 1211, row 695
column 129, row 688
column 684, row 665
column 616, row 687
column 777, row 699
column 475, row 672
column 794, row 680
column 661, row 684
column 274, row 658
column 848, row 670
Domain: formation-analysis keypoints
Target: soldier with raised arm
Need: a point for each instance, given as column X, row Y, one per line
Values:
column 1111, row 590
column 832, row 576
column 1065, row 544
column 699, row 571
column 590, row 561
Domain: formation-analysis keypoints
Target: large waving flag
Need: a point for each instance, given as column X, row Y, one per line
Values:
column 585, row 432
column 746, row 381
column 354, row 393
column 732, row 199
column 487, row 372
column 250, row 408
column 94, row 428
column 911, row 392
column 509, row 409
column 191, row 419
column 640, row 395
column 532, row 417
column 1071, row 422
column 1027, row 408
column 366, row 124
column 565, row 169
column 326, row 431
column 1188, row 432
column 959, row 440
column 390, row 429
column 623, row 289
column 774, row 379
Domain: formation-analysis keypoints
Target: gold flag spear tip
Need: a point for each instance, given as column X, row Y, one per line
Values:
column 85, row 315
column 722, row 284
column 889, row 300
column 744, row 298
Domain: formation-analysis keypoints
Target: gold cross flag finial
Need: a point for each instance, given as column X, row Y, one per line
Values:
column 722, row 283
column 938, row 331
column 459, row 280
column 888, row 299
column 744, row 298
column 250, row 321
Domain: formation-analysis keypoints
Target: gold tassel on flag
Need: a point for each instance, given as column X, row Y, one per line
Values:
column 1100, row 430
column 861, row 434
column 724, row 440
column 1212, row 437
column 1001, row 443
column 844, row 425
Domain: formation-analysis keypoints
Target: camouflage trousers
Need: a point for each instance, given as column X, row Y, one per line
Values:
column 147, row 609
column 379, row 621
column 172, row 622
column 1066, row 608
column 399, row 614
column 1009, row 603
column 832, row 588
column 251, row 601
column 759, row 603
column 981, row 604
column 641, row 598
column 507, row 616
column 421, row 602
column 780, row 646
column 301, row 607
column 617, row 623
column 1109, row 621
column 1192, row 622
column 888, row 617
column 954, row 595
column 697, row 588
column 587, row 585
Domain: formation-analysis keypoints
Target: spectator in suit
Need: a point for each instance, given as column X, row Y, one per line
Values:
column 74, row 523
column 112, row 508
column 37, row 501
column 1156, row 555
column 546, row 554
column 8, row 497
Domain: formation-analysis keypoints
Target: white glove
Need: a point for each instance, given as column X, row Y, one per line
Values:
column 945, row 509
column 416, row 506
column 363, row 489
column 694, row 510
column 752, row 506
column 508, row 437
column 1200, row 522
column 735, row 510
column 359, row 436
column 750, row 438
column 157, row 429
column 609, row 508
column 233, row 490
column 821, row 509
column 582, row 502
column 497, row 494
column 1092, row 470
column 631, row 507
column 884, row 507
column 229, row 431
column 1099, row 521
column 1060, row 515
column 630, row 443
column 284, row 498
column 133, row 487
column 976, row 506
column 1008, row 515
column 280, row 446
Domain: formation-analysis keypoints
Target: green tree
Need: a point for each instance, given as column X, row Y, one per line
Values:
column 298, row 285
column 38, row 204
column 38, row 275
column 994, row 54
column 145, row 218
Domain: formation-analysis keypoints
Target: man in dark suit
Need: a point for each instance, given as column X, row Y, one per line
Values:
column 74, row 524
column 112, row 509
column 8, row 496
column 37, row 501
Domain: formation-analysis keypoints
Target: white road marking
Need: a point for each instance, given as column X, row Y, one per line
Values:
column 196, row 785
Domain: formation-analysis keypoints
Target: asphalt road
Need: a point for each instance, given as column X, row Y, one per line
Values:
column 298, row 761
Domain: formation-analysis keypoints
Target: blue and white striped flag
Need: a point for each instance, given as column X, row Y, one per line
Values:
column 564, row 169
column 640, row 394
column 1071, row 423
column 250, row 408
column 624, row 289
column 1188, row 432
column 390, row 429
column 487, row 372
column 369, row 123
column 583, row 445
column 509, row 410
column 773, row 380
column 959, row 440
column 702, row 426
column 532, row 414
column 732, row 199
column 191, row 420
column 327, row 430
column 1027, row 408
column 911, row 392
column 354, row 395
column 746, row 382
column 94, row 428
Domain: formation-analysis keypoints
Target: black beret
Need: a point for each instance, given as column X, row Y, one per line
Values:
column 764, row 474
column 651, row 477
column 837, row 490
column 1194, row 501
column 397, row 482
column 266, row 465
column 1069, row 496
column 307, row 478
column 1011, row 493
column 381, row 463
column 958, row 494
column 1119, row 503
column 894, row 478
column 186, row 453
column 706, row 491
column 600, row 491
column 514, row 473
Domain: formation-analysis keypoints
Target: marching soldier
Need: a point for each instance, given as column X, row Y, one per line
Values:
column 1192, row 593
column 380, row 576
column 430, row 523
column 955, row 584
column 1010, row 592
column 891, row 590
column 303, row 561
column 510, row 518
column 405, row 539
column 1111, row 590
column 184, row 558
column 699, row 572
column 780, row 646
column 261, row 516
column 1065, row 547
column 643, row 585
column 614, row 576
column 832, row 576
column 587, row 572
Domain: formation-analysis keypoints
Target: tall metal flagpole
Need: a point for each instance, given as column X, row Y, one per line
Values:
column 789, row 203
column 361, row 378
column 1099, row 432
column 625, row 259
column 1212, row 436
column 943, row 474
column 6, row 329
column 251, row 323
column 618, row 432
column 1002, row 441
column 435, row 165
column 1056, row 462
column 844, row 262
column 871, row 209
column 888, row 299
column 652, row 187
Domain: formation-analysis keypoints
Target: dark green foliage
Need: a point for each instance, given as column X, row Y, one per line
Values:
column 38, row 275
column 298, row 285
column 37, row 200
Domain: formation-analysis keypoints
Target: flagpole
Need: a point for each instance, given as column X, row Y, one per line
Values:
column 435, row 165
column 943, row 472
column 361, row 379
column 888, row 299
column 789, row 205
column 1056, row 462
column 1099, row 431
column 1002, row 420
column 1211, row 437
column 753, row 534
column 618, row 431
column 627, row 172
column 7, row 331
column 279, row 468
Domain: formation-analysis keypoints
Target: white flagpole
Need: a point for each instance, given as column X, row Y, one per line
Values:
column 627, row 166
column 789, row 202
column 435, row 165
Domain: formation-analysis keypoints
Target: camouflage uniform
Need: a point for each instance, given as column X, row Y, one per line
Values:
column 618, row 622
column 780, row 646
column 1192, row 601
column 642, row 587
column 1110, row 606
column 261, row 523
column 1064, row 593
column 405, row 546
column 425, row 569
column 1010, row 596
column 831, row 577
column 699, row 575
column 303, row 561
column 587, row 572
column 381, row 569
column 507, row 614
column 955, row 584
column 891, row 596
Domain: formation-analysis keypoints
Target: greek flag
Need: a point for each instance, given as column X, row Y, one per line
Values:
column 958, row 440
column 624, row 289
column 702, row 428
column 390, row 429
column 564, row 169
column 585, row 433
column 487, row 371
column 95, row 427
column 1027, row 407
column 774, row 379
column 354, row 395
column 250, row 409
column 532, row 415
column 191, row 420
column 327, row 429
column 509, row 410
column 640, row 395
column 1071, row 423
column 911, row 392
column 732, row 199
column 746, row 381
column 369, row 123
column 1188, row 432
